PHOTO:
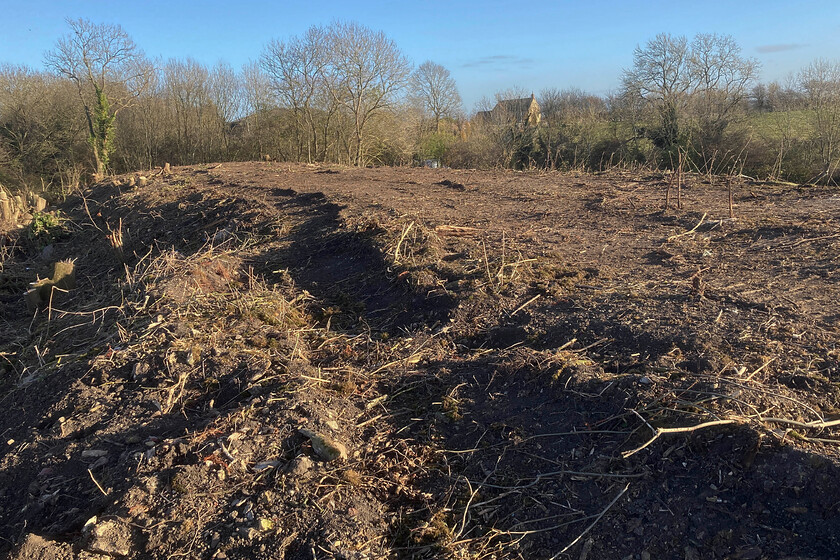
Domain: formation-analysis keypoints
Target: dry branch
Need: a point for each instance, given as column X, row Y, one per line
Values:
column 689, row 232
column 662, row 431
column 808, row 425
column 808, row 240
column 405, row 231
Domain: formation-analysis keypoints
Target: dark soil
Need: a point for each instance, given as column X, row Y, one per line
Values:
column 494, row 351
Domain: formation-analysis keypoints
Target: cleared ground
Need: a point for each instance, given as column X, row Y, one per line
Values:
column 517, row 365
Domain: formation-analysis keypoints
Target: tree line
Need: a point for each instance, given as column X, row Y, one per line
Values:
column 346, row 94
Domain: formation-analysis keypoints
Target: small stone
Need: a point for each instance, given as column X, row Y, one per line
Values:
column 265, row 465
column 796, row 509
column 266, row 524
column 639, row 531
column 691, row 553
column 133, row 439
column 750, row 553
column 301, row 466
column 93, row 453
column 47, row 253
column 110, row 538
column 248, row 532
column 325, row 447
column 46, row 472
column 267, row 498
column 222, row 235
column 152, row 485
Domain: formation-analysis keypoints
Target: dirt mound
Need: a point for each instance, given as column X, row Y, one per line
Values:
column 284, row 361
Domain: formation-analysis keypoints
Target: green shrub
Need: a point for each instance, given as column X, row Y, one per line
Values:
column 45, row 227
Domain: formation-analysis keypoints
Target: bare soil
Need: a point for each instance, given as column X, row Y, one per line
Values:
column 517, row 365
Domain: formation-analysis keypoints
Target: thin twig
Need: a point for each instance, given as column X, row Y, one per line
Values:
column 465, row 517
column 689, row 232
column 486, row 263
column 400, row 242
column 809, row 425
column 597, row 519
column 536, row 479
column 104, row 493
column 808, row 240
column 767, row 363
column 661, row 431
column 526, row 304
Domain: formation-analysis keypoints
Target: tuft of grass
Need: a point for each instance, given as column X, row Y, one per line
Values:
column 352, row 477
column 452, row 408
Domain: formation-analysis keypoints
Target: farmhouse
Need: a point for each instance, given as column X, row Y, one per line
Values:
column 524, row 112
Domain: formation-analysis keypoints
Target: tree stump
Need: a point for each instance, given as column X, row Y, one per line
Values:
column 40, row 292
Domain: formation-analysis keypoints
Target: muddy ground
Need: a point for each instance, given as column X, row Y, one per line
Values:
column 267, row 360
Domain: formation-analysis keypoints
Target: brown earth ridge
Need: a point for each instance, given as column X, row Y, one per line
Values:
column 287, row 361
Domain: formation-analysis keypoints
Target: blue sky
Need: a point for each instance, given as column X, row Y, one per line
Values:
column 488, row 46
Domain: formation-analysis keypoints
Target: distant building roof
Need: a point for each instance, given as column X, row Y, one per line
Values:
column 517, row 108
column 524, row 111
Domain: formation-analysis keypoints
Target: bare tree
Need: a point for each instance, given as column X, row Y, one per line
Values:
column 188, row 96
column 226, row 96
column 142, row 129
column 760, row 99
column 433, row 88
column 365, row 73
column 296, row 69
column 109, row 71
column 723, row 77
column 722, row 80
column 722, row 84
column 40, row 128
column 696, row 90
column 256, row 104
column 820, row 81
column 661, row 75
